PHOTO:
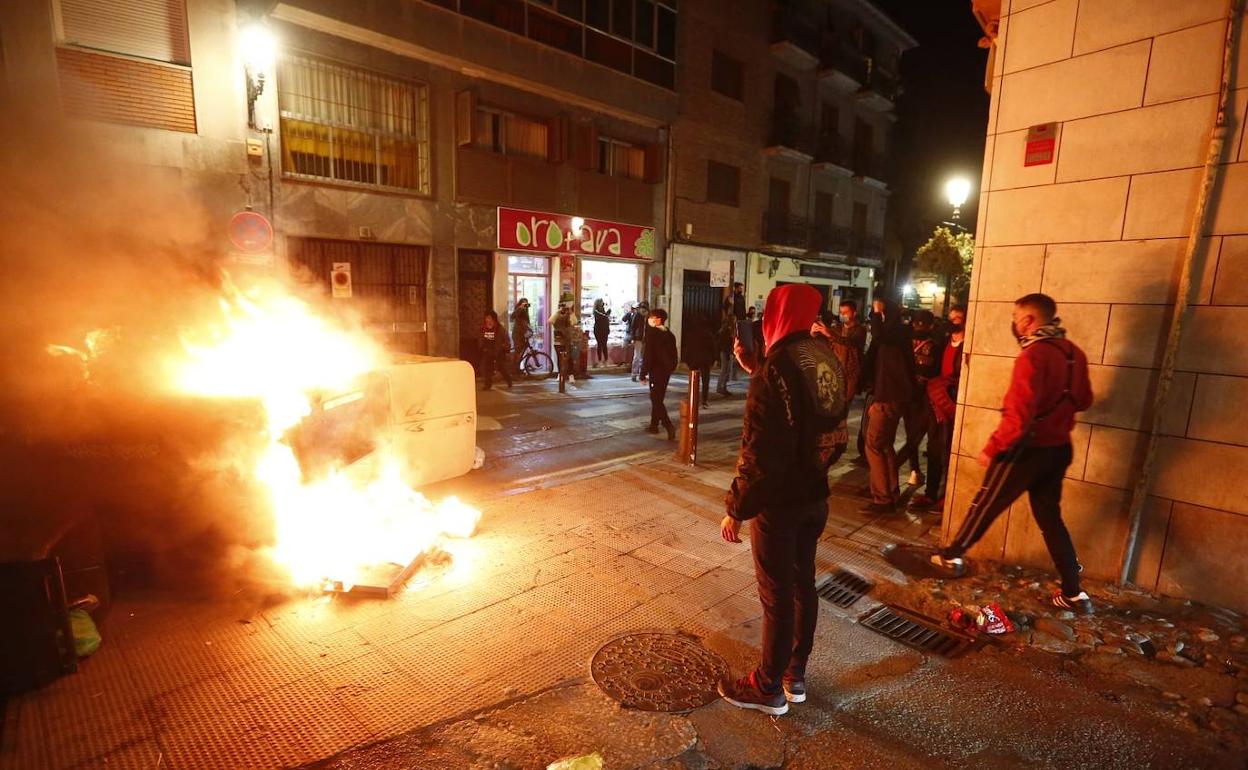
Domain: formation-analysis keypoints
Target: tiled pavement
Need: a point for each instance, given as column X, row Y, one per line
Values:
column 554, row 573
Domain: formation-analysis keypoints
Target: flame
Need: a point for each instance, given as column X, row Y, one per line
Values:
column 95, row 344
column 271, row 346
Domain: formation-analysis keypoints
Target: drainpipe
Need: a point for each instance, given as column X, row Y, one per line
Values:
column 669, row 214
column 1209, row 177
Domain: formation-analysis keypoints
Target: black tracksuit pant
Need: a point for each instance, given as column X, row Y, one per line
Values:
column 784, row 543
column 658, row 391
column 1039, row 472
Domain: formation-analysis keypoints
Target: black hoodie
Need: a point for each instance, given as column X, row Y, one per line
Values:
column 889, row 363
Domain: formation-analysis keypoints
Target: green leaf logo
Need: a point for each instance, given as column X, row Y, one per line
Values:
column 523, row 236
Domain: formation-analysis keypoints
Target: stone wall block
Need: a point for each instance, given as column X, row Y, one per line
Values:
column 1124, row 399
column 987, row 379
column 1043, row 34
column 1220, row 410
column 1231, row 281
column 1213, row 340
column 1008, row 272
column 1060, row 213
column 1008, row 170
column 1106, row 81
column 1113, row 22
column 1114, row 456
column 1096, row 517
column 1202, row 473
column 1204, row 557
column 1136, row 335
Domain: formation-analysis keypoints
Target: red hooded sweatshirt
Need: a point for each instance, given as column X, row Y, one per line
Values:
column 791, row 308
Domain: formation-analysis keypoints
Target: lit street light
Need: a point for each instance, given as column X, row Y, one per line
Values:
column 258, row 49
column 957, row 190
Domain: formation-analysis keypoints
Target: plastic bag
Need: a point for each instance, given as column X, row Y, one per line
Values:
column 86, row 635
column 583, row 762
column 478, row 459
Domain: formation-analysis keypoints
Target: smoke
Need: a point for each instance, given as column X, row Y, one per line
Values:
column 110, row 260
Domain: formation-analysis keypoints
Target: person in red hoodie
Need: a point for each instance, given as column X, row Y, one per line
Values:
column 794, row 431
column 1030, row 449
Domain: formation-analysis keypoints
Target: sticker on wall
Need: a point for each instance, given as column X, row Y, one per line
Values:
column 1041, row 144
column 721, row 272
column 340, row 280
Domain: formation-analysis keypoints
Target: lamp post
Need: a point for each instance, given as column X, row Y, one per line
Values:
column 258, row 48
column 957, row 190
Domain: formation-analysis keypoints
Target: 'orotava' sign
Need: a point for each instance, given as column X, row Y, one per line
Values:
column 521, row 230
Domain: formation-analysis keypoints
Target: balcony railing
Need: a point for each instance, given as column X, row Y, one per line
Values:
column 863, row 246
column 832, row 148
column 872, row 165
column 830, row 238
column 882, row 82
column 781, row 228
column 788, row 130
column 837, row 55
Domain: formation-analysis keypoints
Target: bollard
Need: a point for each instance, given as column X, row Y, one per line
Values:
column 688, row 451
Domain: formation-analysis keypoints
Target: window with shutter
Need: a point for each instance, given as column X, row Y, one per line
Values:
column 148, row 29
column 723, row 183
column 353, row 126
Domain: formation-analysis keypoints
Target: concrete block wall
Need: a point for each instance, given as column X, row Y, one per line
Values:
column 1102, row 229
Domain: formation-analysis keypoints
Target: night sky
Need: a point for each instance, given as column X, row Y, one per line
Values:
column 942, row 115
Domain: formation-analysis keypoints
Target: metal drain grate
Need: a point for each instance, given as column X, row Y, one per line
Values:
column 843, row 588
column 917, row 631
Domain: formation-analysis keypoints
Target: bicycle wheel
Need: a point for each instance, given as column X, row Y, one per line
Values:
column 536, row 362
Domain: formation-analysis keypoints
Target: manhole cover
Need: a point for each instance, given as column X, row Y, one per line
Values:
column 658, row 672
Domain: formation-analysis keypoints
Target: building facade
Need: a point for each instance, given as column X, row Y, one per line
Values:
column 778, row 171
column 392, row 137
column 1118, row 100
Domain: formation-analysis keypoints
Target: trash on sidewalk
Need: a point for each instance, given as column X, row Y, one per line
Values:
column 583, row 762
column 989, row 619
column 478, row 460
column 86, row 635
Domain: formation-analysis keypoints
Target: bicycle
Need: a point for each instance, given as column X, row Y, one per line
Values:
column 533, row 361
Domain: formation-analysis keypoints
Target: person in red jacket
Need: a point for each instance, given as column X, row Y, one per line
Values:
column 1030, row 449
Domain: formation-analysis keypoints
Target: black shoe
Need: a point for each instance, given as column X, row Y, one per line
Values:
column 652, row 429
column 1080, row 602
column 671, row 433
column 745, row 694
column 794, row 690
column 879, row 508
column 954, row 567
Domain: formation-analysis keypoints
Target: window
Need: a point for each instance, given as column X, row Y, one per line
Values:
column 723, row 183
column 148, row 29
column 645, row 23
column 555, row 31
column 510, row 134
column 823, row 208
column 622, row 18
column 727, row 76
column 667, row 33
column 617, row 158
column 598, row 13
column 352, row 126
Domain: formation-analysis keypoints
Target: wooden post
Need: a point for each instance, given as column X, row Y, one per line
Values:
column 688, row 451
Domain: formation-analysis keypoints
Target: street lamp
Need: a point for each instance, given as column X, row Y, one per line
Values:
column 259, row 51
column 957, row 190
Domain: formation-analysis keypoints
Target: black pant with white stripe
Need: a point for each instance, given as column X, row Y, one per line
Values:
column 1038, row 471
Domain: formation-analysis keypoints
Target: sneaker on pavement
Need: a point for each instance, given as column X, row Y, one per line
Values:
column 794, row 690
column 956, row 567
column 1080, row 602
column 746, row 694
column 916, row 478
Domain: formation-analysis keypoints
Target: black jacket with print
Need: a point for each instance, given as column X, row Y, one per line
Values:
column 795, row 405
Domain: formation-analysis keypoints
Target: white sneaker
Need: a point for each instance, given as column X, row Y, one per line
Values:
column 916, row 478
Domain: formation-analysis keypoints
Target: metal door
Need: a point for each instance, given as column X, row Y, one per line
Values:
column 476, row 282
column 700, row 304
column 387, row 284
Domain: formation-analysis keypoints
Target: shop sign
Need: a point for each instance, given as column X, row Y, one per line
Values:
column 1041, row 143
column 823, row 271
column 721, row 272
column 521, row 230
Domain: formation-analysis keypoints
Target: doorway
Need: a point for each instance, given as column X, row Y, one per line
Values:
column 528, row 277
column 700, row 305
column 475, row 284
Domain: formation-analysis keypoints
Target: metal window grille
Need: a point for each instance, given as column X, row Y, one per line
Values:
column 353, row 126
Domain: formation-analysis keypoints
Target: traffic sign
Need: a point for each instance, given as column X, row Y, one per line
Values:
column 250, row 231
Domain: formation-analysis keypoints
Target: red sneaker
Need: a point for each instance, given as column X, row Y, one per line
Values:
column 746, row 694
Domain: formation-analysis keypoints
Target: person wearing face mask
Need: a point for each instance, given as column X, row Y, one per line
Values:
column 657, row 366
column 942, row 390
column 1030, row 450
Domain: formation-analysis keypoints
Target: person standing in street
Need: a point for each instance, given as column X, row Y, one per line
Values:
column 562, row 328
column 521, row 330
column 734, row 303
column 926, row 366
column 723, row 342
column 699, row 352
column 795, row 406
column 890, row 375
column 494, row 350
column 656, row 369
column 602, row 329
column 942, row 392
column 639, row 327
column 1030, row 450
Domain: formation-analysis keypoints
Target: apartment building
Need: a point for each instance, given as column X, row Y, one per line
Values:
column 780, row 171
column 456, row 154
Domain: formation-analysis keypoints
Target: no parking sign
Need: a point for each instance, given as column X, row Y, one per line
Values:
column 250, row 232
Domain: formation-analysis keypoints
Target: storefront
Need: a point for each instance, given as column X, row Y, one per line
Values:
column 836, row 282
column 551, row 258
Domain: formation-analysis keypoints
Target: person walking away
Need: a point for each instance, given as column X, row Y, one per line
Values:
column 699, row 354
column 521, row 330
column 494, row 350
column 926, row 348
column 656, row 369
column 723, row 341
column 790, row 438
column 1030, row 450
column 639, row 327
column 942, row 392
column 561, row 328
column 890, row 375
column 602, row 329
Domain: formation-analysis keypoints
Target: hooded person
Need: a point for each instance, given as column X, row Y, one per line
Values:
column 792, row 435
column 890, row 376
